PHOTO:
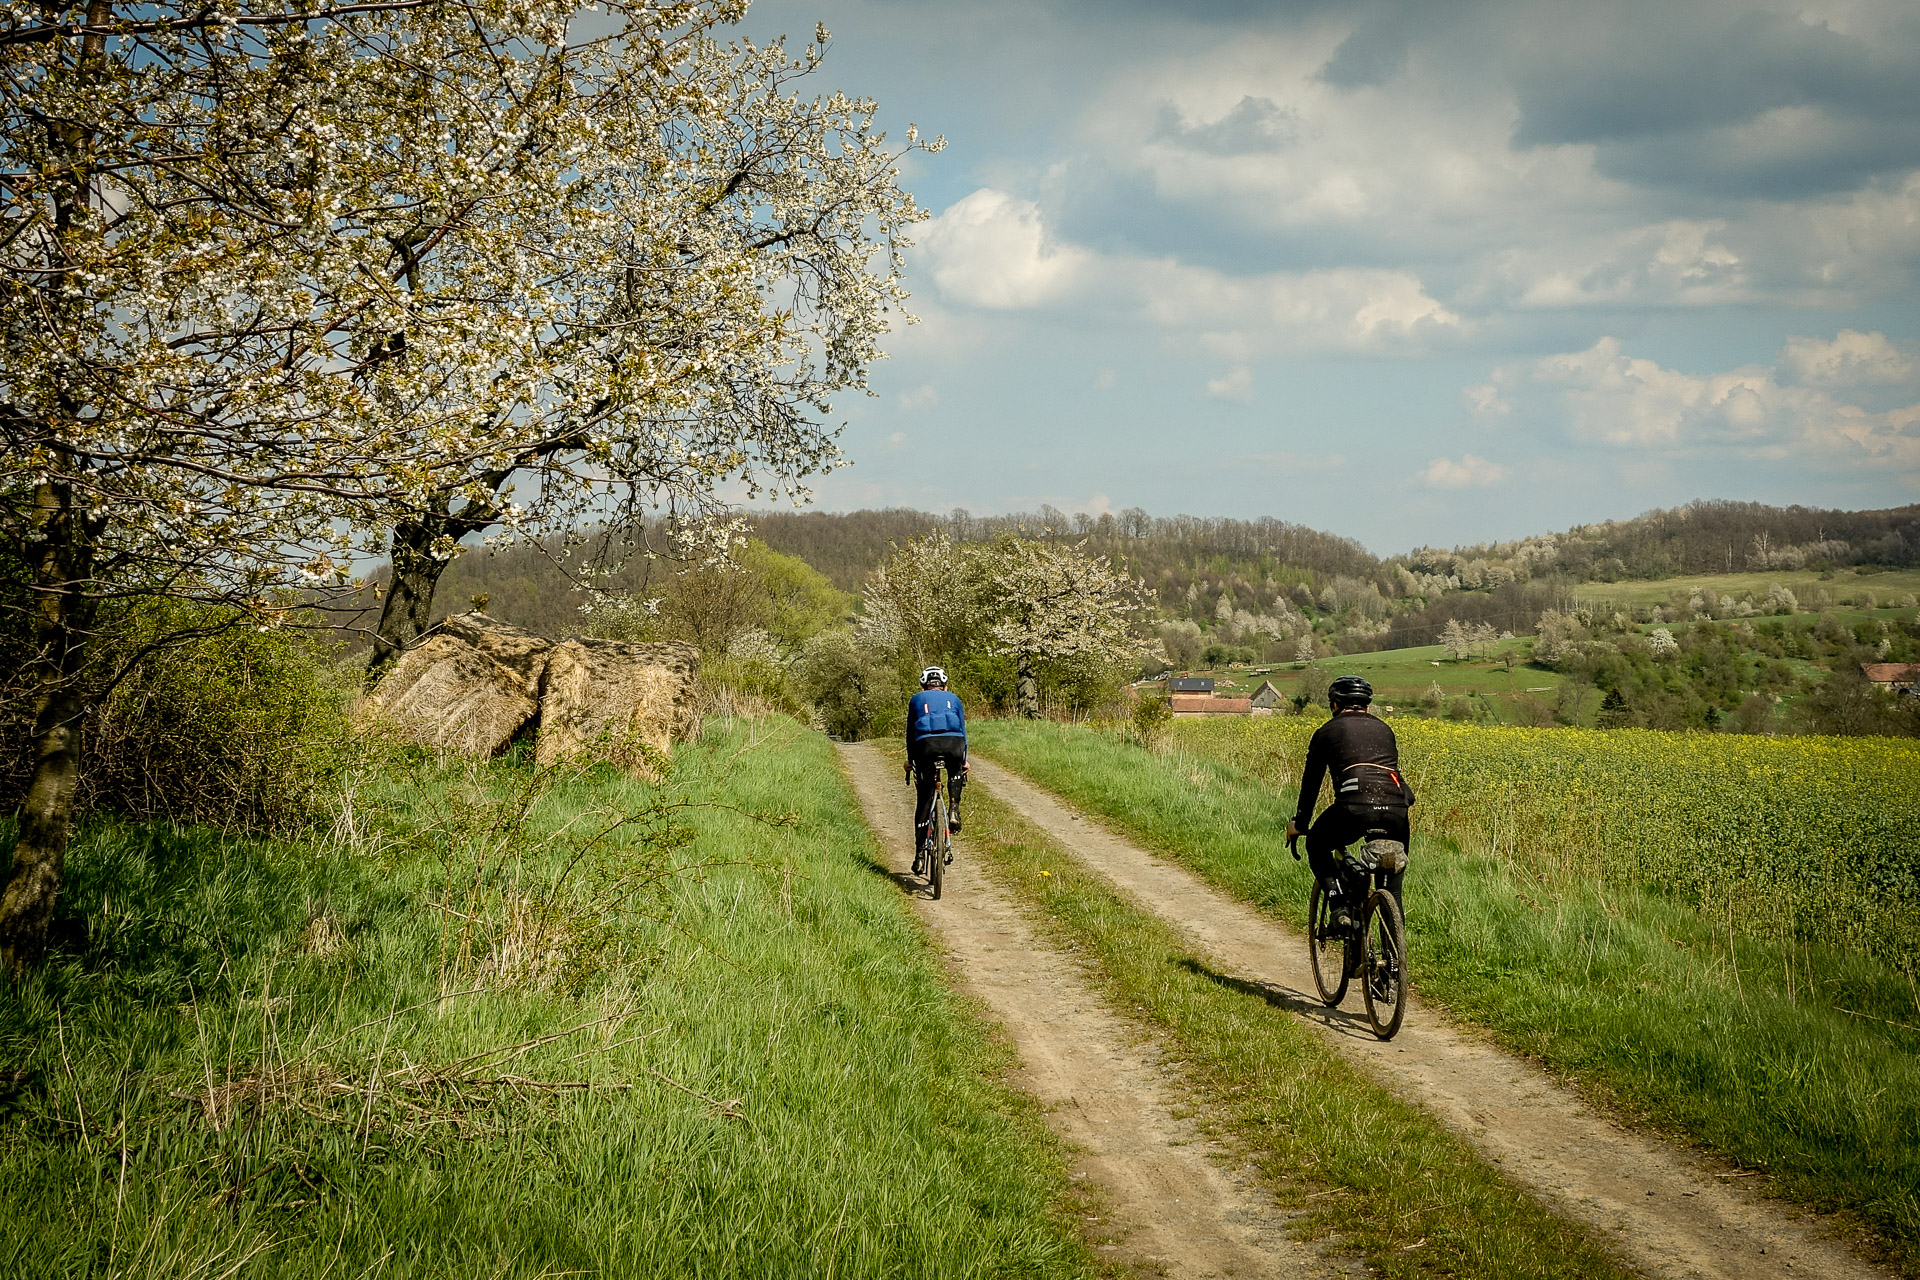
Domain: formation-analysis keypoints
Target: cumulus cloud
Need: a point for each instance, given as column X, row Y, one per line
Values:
column 1554, row 155
column 921, row 397
column 992, row 250
column 1806, row 406
column 1470, row 472
column 1236, row 386
column 1280, row 313
column 1252, row 126
column 995, row 251
column 1851, row 359
column 1676, row 263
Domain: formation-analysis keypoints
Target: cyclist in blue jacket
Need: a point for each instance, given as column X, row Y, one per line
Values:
column 936, row 730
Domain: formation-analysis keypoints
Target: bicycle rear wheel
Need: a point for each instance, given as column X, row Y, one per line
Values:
column 1384, row 971
column 1327, row 946
column 937, row 854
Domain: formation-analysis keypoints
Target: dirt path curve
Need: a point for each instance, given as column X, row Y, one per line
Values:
column 1661, row 1206
column 1182, row 1208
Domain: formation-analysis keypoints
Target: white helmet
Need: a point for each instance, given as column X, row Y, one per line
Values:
column 933, row 676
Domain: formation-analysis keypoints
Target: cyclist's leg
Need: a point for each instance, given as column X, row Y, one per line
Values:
column 1333, row 831
column 956, row 783
column 923, row 782
column 1397, row 828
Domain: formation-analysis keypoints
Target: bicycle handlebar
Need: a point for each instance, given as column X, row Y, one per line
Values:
column 1293, row 847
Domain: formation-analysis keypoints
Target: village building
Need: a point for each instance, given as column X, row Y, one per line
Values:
column 1190, row 684
column 1266, row 697
column 1900, row 677
column 1206, row 704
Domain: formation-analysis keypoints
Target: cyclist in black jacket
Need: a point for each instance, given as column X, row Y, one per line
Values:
column 1370, row 797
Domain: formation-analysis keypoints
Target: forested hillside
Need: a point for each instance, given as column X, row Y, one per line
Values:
column 1701, row 537
column 1265, row 588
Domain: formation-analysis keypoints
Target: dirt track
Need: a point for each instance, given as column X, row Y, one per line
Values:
column 1673, row 1213
column 1182, row 1209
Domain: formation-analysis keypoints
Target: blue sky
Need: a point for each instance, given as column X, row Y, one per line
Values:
column 1413, row 273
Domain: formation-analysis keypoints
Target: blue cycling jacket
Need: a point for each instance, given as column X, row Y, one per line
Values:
column 934, row 713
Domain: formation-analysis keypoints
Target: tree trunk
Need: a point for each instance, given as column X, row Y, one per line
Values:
column 1027, row 686
column 409, row 604
column 61, row 560
column 416, row 572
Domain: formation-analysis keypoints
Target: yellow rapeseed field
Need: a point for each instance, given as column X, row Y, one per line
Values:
column 1807, row 837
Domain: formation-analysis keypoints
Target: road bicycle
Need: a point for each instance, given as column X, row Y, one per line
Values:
column 1374, row 948
column 934, row 853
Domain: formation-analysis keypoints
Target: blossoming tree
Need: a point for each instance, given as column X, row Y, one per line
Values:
column 285, row 278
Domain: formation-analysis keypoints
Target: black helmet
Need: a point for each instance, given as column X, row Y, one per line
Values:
column 1349, row 691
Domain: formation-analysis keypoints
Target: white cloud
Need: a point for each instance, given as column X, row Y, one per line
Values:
column 1285, row 313
column 995, row 251
column 1423, row 170
column 992, row 250
column 1237, row 386
column 1852, row 359
column 1675, row 263
column 1484, row 400
column 920, row 397
column 1471, row 472
column 1603, row 395
column 1105, row 380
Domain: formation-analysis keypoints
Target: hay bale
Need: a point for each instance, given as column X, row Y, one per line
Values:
column 625, row 703
column 469, row 688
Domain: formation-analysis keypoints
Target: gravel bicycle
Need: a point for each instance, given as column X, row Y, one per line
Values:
column 935, row 853
column 1373, row 948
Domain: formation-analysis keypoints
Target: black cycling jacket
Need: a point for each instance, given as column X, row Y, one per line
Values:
column 1358, row 749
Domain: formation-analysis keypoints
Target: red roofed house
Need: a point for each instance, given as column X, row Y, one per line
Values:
column 1897, row 676
column 1205, row 704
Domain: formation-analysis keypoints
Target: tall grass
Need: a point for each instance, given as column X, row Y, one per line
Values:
column 259, row 1059
column 1780, row 838
column 1793, row 1056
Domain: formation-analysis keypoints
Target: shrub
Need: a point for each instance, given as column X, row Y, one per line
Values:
column 236, row 728
column 1152, row 717
column 856, row 692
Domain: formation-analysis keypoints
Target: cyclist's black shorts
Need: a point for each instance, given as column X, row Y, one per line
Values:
column 951, row 747
column 1340, row 825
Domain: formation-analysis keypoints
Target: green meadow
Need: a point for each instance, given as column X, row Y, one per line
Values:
column 508, row 1023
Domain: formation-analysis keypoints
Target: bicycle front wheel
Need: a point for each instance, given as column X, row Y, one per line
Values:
column 1384, row 968
column 1327, row 945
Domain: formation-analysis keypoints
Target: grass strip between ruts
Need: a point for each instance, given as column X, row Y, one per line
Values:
column 1371, row 1173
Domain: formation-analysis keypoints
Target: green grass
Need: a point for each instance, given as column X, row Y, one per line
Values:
column 1402, row 676
column 1373, row 1175
column 780, row 1081
column 1796, row 1059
